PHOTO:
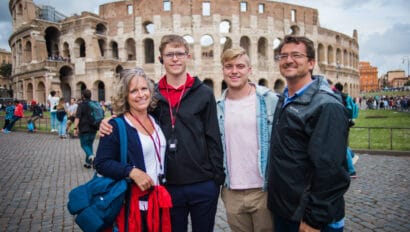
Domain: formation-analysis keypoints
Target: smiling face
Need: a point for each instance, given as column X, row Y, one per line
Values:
column 236, row 72
column 139, row 95
column 296, row 65
column 174, row 59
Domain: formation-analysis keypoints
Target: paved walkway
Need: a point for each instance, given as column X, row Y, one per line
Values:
column 38, row 170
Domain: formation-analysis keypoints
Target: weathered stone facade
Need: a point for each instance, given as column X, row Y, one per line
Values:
column 88, row 50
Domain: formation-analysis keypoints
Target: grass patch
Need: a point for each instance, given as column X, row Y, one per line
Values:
column 381, row 130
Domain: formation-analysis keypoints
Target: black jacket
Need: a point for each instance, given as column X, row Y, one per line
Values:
column 307, row 169
column 199, row 155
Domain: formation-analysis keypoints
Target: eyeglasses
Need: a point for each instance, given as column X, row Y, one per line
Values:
column 178, row 55
column 294, row 56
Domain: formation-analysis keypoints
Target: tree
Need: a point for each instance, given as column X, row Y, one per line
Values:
column 5, row 70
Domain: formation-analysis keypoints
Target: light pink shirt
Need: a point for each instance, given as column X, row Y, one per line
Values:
column 241, row 143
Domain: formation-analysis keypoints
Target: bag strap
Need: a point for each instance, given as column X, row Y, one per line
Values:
column 123, row 149
column 123, row 139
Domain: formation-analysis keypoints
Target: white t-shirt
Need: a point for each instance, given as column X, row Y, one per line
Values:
column 53, row 102
column 242, row 143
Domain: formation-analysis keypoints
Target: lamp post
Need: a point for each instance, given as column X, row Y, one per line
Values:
column 407, row 59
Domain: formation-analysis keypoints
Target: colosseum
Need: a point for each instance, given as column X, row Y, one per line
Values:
column 69, row 54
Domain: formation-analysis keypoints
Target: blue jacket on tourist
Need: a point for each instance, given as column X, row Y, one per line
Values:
column 265, row 109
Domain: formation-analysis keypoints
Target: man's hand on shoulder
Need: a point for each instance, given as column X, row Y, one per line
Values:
column 105, row 127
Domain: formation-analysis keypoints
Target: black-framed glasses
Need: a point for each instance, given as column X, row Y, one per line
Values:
column 178, row 55
column 293, row 55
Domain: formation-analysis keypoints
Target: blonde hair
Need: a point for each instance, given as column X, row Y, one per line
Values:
column 233, row 53
column 120, row 100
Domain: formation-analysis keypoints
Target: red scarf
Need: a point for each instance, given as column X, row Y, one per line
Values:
column 158, row 198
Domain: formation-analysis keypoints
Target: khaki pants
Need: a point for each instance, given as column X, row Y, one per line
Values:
column 246, row 210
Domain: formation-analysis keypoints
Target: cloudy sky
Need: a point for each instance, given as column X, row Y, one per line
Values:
column 383, row 25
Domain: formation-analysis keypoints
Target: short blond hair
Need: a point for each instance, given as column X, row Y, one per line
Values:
column 233, row 53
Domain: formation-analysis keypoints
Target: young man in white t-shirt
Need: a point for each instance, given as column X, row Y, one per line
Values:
column 245, row 114
column 53, row 102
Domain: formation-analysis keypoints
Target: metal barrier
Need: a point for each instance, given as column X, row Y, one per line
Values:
column 380, row 138
column 42, row 124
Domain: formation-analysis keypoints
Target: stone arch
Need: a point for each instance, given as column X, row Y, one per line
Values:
column 209, row 82
column 275, row 45
column 190, row 40
column 99, row 91
column 345, row 58
column 114, row 50
column 263, row 53
column 52, row 37
column 149, row 49
column 100, row 29
column 225, row 26
column 330, row 55
column 29, row 92
column 148, row 27
column 339, row 56
column 245, row 43
column 226, row 43
column 41, row 92
column 130, row 49
column 66, row 76
column 118, row 69
column 207, row 49
column 321, row 54
column 79, row 88
column 102, row 46
column 279, row 86
column 27, row 51
column 294, row 30
column 263, row 82
column 223, row 86
column 79, row 48
column 66, row 50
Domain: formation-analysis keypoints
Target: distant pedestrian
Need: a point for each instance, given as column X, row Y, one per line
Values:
column 9, row 116
column 84, row 129
column 61, row 118
column 37, row 113
column 72, row 109
column 53, row 101
column 18, row 114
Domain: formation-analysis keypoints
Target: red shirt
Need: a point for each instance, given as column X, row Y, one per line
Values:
column 18, row 111
column 173, row 95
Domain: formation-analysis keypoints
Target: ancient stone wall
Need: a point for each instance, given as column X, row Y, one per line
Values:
column 88, row 50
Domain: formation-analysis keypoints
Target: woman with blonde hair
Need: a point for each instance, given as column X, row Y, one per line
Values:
column 146, row 150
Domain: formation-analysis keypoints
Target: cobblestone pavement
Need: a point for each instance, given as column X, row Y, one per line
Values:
column 38, row 170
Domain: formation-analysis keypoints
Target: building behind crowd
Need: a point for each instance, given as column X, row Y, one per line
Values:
column 5, row 82
column 368, row 77
column 86, row 50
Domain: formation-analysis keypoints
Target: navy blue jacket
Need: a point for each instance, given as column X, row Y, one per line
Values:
column 108, row 159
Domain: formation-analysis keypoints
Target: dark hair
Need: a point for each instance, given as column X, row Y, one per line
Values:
column 52, row 93
column 339, row 86
column 310, row 46
column 87, row 94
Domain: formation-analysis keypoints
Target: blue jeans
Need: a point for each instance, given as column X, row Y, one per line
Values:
column 199, row 200
column 284, row 225
column 53, row 120
column 62, row 126
column 12, row 122
column 86, row 141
